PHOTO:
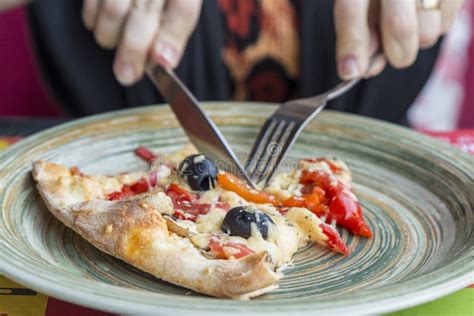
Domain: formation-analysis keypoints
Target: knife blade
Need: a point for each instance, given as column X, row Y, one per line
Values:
column 200, row 129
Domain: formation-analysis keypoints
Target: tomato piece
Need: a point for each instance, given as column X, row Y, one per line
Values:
column 145, row 153
column 334, row 240
column 228, row 250
column 141, row 186
column 186, row 202
column 125, row 192
column 199, row 208
column 348, row 213
column 182, row 193
column 242, row 250
column 338, row 205
column 216, row 248
column 223, row 205
column 229, row 182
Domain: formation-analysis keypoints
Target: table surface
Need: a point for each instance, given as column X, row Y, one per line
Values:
column 17, row 300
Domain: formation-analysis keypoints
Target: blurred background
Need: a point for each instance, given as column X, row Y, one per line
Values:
column 446, row 102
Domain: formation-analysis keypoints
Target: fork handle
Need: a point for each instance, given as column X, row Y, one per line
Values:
column 343, row 87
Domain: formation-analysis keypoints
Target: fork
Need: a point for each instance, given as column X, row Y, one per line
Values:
column 281, row 130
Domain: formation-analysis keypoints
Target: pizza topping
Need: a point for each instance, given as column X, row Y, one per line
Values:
column 230, row 182
column 145, row 153
column 118, row 195
column 239, row 221
column 228, row 250
column 334, row 240
column 143, row 185
column 186, row 204
column 311, row 227
column 199, row 172
column 342, row 205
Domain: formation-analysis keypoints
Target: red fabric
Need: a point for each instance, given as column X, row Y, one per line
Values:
column 466, row 119
column 56, row 307
column 21, row 91
column 463, row 139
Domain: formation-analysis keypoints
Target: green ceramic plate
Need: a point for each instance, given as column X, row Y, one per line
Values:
column 417, row 194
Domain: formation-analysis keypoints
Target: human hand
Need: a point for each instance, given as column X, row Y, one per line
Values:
column 141, row 30
column 398, row 27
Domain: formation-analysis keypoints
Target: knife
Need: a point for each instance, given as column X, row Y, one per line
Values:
column 200, row 129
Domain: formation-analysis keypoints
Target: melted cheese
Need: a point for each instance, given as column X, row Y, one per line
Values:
column 308, row 225
column 232, row 198
column 285, row 185
column 289, row 232
column 211, row 222
column 210, row 197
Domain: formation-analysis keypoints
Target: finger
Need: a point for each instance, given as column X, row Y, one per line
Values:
column 379, row 63
column 110, row 20
column 89, row 13
column 429, row 27
column 377, row 66
column 178, row 23
column 399, row 32
column 449, row 11
column 352, row 37
column 139, row 31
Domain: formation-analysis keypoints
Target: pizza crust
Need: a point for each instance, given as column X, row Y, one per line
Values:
column 136, row 232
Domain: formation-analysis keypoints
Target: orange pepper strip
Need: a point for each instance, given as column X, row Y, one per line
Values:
column 229, row 182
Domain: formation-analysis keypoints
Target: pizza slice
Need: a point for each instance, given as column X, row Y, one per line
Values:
column 190, row 224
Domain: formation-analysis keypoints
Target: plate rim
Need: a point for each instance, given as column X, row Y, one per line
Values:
column 48, row 287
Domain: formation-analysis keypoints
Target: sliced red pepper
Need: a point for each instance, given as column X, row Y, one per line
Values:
column 334, row 240
column 141, row 186
column 182, row 193
column 145, row 153
column 219, row 250
column 348, row 213
column 342, row 207
column 229, row 182
column 125, row 192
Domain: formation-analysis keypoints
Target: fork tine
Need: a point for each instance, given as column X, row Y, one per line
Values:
column 289, row 139
column 256, row 149
column 272, row 149
column 273, row 138
column 263, row 139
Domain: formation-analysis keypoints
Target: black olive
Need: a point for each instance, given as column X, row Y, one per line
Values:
column 199, row 172
column 238, row 220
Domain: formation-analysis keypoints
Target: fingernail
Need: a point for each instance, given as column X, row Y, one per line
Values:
column 166, row 54
column 348, row 68
column 125, row 74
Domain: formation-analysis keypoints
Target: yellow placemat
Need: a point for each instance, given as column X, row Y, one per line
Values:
column 18, row 300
